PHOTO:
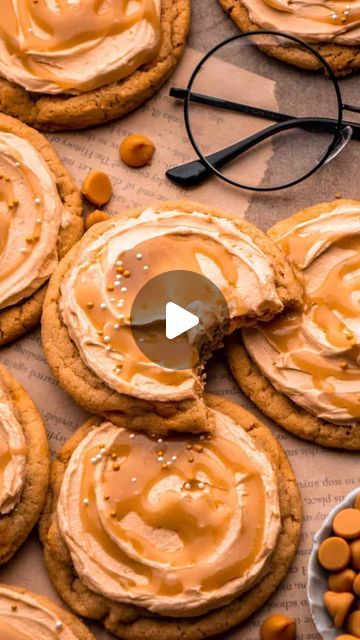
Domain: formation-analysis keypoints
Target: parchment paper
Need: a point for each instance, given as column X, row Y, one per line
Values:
column 324, row 477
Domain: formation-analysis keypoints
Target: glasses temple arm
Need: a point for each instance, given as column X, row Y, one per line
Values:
column 193, row 173
column 228, row 105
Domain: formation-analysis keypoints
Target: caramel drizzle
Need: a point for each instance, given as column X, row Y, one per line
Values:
column 112, row 323
column 199, row 514
column 35, row 28
column 337, row 297
column 17, row 171
column 336, row 12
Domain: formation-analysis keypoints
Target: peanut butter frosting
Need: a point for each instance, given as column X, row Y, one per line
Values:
column 313, row 356
column 31, row 214
column 176, row 526
column 334, row 21
column 56, row 46
column 12, row 455
column 98, row 291
column 23, row 617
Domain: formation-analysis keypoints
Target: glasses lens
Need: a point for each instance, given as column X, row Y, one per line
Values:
column 262, row 111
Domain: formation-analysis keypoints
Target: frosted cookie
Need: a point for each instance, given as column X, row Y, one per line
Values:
column 333, row 28
column 70, row 65
column 24, row 465
column 302, row 369
column 25, row 615
column 171, row 536
column 40, row 219
column 86, row 327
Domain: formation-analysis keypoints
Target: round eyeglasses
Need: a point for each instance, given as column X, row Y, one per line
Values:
column 233, row 120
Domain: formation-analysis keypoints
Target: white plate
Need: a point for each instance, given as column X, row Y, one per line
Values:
column 317, row 576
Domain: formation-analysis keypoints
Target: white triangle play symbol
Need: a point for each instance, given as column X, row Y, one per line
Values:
column 178, row 320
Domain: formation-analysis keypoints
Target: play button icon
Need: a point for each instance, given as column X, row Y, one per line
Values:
column 178, row 320
column 175, row 316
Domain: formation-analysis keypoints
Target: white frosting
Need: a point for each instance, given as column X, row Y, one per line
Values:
column 23, row 616
column 25, row 267
column 329, row 257
column 254, row 290
column 128, row 574
column 82, row 67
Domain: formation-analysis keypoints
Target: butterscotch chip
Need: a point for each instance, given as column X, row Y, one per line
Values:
column 97, row 187
column 334, row 554
column 356, row 585
column 136, row 150
column 94, row 217
column 355, row 554
column 342, row 581
column 338, row 606
column 357, row 502
column 346, row 523
column 353, row 623
column 278, row 627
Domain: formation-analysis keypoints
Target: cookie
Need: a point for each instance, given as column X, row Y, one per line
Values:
column 40, row 220
column 300, row 369
column 23, row 612
column 86, row 326
column 343, row 58
column 24, row 465
column 142, row 73
column 167, row 601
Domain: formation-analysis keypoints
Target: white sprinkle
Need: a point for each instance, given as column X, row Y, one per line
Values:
column 116, row 326
column 103, row 451
column 346, row 13
column 112, row 299
column 103, row 305
column 58, row 625
column 107, row 338
column 187, row 486
column 17, row 164
column 118, row 276
column 334, row 16
column 168, row 464
column 146, row 267
column 30, row 30
column 139, row 256
column 107, row 348
column 119, row 263
column 98, row 457
column 201, row 485
column 23, row 250
column 141, row 339
column 117, row 283
column 202, row 437
column 173, row 458
column 160, row 458
column 37, row 200
column 133, row 479
column 38, row 221
column 93, row 460
column 121, row 316
column 132, row 435
column 86, row 501
column 120, row 303
column 123, row 289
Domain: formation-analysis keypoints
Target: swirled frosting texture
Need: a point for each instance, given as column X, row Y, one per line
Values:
column 98, row 291
column 23, row 617
column 12, row 455
column 313, row 357
column 335, row 21
column 176, row 526
column 31, row 214
column 55, row 46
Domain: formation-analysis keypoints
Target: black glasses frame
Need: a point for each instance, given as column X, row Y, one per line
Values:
column 193, row 173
